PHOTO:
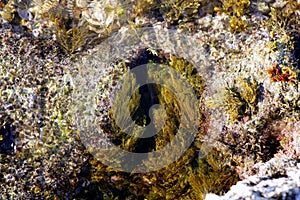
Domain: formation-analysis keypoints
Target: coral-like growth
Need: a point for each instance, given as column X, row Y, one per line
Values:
column 282, row 73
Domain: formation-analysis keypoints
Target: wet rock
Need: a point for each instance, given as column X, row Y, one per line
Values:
column 279, row 178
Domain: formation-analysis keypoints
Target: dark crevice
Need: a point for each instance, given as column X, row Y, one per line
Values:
column 7, row 139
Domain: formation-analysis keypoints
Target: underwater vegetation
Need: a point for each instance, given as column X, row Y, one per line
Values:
column 239, row 100
column 235, row 9
column 36, row 90
column 286, row 130
column 208, row 180
column 180, row 11
column 144, row 8
column 71, row 39
column 175, row 12
column 284, row 31
column 238, row 8
column 189, row 177
column 236, row 24
column 72, row 23
column 245, row 134
column 250, row 136
column 189, row 72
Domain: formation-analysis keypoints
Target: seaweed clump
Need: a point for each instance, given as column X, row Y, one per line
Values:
column 181, row 11
column 176, row 12
column 71, row 39
column 189, row 177
column 215, row 176
column 144, row 8
column 69, row 27
column 240, row 101
column 189, row 72
column 235, row 9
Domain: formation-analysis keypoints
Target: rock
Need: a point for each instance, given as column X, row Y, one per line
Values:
column 212, row 197
column 263, row 7
column 279, row 178
column 279, row 4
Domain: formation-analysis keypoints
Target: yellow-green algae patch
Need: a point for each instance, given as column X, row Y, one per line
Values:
column 191, row 176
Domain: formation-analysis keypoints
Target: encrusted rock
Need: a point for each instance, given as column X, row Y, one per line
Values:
column 276, row 179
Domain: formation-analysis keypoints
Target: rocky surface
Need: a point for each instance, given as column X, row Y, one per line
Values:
column 275, row 179
column 53, row 52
